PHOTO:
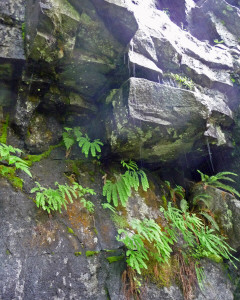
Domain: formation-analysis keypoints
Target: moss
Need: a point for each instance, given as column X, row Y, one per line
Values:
column 215, row 258
column 4, row 129
column 164, row 201
column 163, row 275
column 91, row 253
column 10, row 174
column 77, row 253
column 8, row 252
column 30, row 159
column 119, row 221
column 95, row 230
column 70, row 230
column 74, row 165
column 112, row 259
column 23, row 31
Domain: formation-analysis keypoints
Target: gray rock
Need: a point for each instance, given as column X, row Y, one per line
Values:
column 152, row 121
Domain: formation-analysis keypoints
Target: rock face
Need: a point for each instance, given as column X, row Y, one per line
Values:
column 156, row 81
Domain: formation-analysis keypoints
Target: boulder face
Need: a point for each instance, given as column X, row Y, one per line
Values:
column 156, row 81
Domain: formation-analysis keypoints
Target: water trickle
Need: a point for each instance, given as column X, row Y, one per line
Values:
column 30, row 84
column 210, row 154
column 124, row 58
column 158, row 79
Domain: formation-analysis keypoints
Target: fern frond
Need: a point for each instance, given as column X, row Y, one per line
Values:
column 205, row 198
column 131, row 165
column 144, row 180
column 86, row 146
column 221, row 174
column 210, row 219
column 226, row 188
column 123, row 195
column 68, row 140
column 184, row 205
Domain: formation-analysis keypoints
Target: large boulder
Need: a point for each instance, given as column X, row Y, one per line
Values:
column 152, row 121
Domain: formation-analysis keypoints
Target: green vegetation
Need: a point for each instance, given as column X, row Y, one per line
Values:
column 112, row 259
column 147, row 241
column 53, row 199
column 8, row 158
column 77, row 253
column 4, row 130
column 122, row 188
column 216, row 41
column 73, row 135
column 23, row 31
column 88, row 205
column 167, row 12
column 91, row 253
column 70, row 230
column 184, row 81
column 147, row 231
column 30, row 159
column 214, row 181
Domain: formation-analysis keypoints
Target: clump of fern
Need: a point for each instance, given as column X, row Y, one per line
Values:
column 121, row 189
column 146, row 231
column 201, row 205
column 54, row 199
column 8, row 156
column 214, row 181
column 74, row 135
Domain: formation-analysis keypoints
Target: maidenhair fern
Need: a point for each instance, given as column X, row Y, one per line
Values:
column 214, row 181
column 54, row 199
column 7, row 156
column 73, row 135
column 121, row 189
column 137, row 252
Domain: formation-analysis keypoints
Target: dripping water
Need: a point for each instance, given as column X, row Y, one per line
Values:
column 136, row 101
column 210, row 155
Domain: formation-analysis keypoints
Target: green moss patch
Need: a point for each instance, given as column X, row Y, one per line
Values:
column 91, row 253
column 3, row 131
column 112, row 259
column 30, row 159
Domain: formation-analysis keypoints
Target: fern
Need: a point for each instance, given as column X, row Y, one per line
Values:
column 53, row 199
column 88, row 205
column 73, row 135
column 131, row 165
column 68, row 138
column 214, row 181
column 109, row 206
column 137, row 253
column 121, row 190
column 205, row 198
column 202, row 240
column 6, row 155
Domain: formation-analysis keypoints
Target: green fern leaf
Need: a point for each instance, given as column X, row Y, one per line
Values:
column 85, row 148
column 68, row 140
column 205, row 198
column 211, row 220
column 227, row 188
column 114, row 195
column 184, row 205
column 144, row 180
